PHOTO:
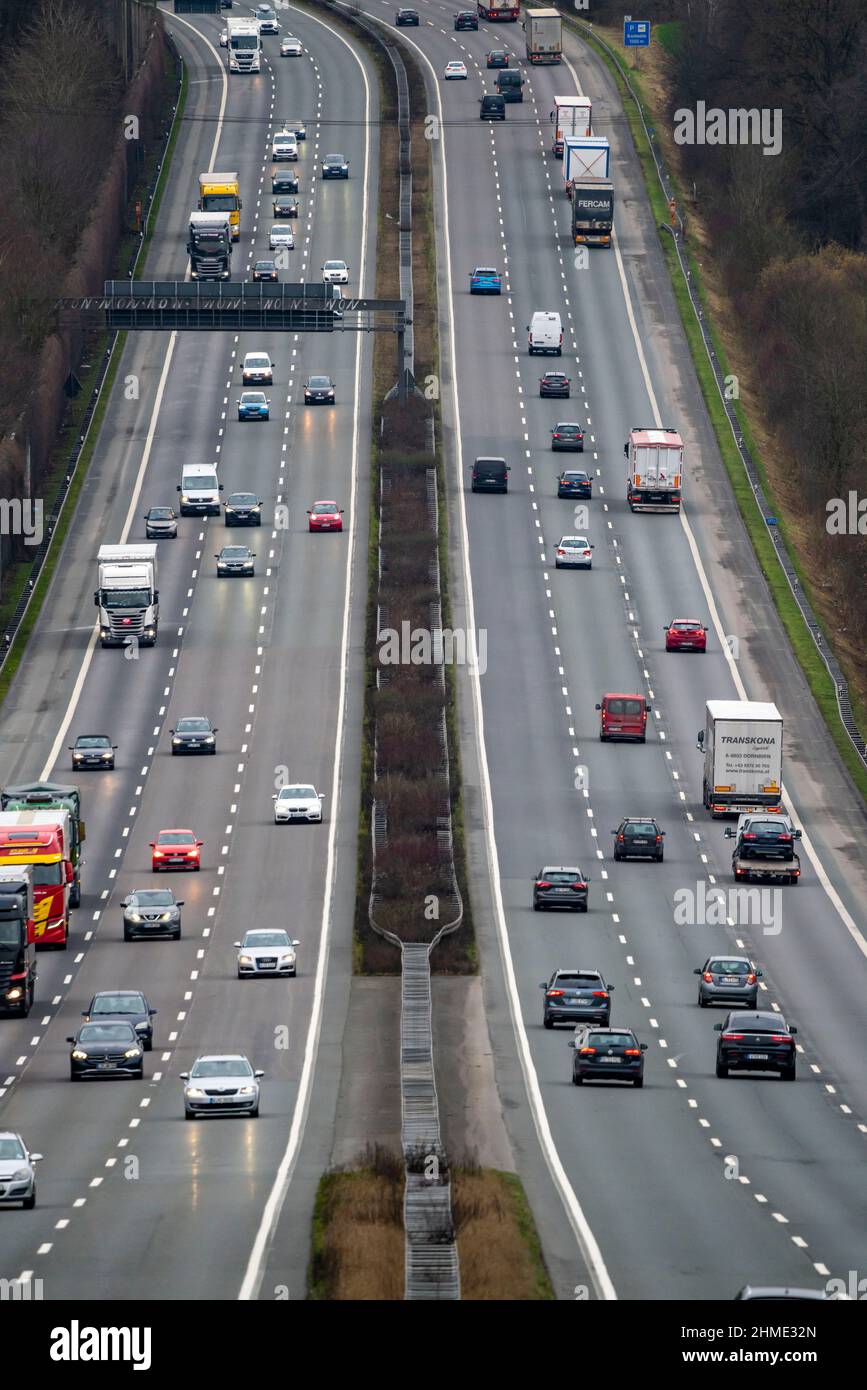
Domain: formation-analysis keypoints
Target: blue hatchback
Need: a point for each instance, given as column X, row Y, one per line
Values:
column 484, row 280
column 254, row 405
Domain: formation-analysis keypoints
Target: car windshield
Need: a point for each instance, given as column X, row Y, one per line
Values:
column 729, row 967
column 645, row 827
column 319, row 381
column 583, row 981
column 289, row 793
column 234, row 552
column 264, row 265
column 107, row 1032
column 575, row 542
column 160, row 514
column 243, row 499
column 624, row 706
column 257, row 360
column 266, row 938
column 125, row 598
column 47, row 875
column 334, row 265
column 562, row 875
column 253, row 398
column 324, row 508
column 11, row 1148
column 569, row 429
column 194, row 726
column 119, row 1004
column 153, row 897
column 766, row 827
column 575, row 477
column 92, row 741
column 334, row 159
column 176, row 837
column 231, row 1066
column 610, row 1040
column 195, row 482
column 485, row 270
column 744, row 1023
column 687, row 623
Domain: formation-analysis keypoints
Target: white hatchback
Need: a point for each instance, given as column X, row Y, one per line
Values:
column 281, row 235
column 290, row 47
column 455, row 69
column 335, row 273
column 573, row 552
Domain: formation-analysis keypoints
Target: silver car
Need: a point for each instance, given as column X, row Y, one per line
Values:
column 161, row 521
column 266, row 951
column 17, row 1174
column 728, row 980
column 221, row 1084
column 281, row 235
column 573, row 552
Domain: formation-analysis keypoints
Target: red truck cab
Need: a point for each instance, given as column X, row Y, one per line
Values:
column 623, row 716
column 42, row 839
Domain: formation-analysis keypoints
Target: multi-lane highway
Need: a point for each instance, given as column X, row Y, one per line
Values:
column 133, row 1202
column 686, row 1189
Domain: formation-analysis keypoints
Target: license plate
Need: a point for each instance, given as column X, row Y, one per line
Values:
column 609, row 1061
column 640, row 842
column 105, row 1066
column 757, row 1056
column 730, row 980
column 582, row 1001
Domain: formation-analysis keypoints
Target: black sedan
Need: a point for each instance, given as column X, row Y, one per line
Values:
column 466, row 19
column 567, row 436
column 161, row 523
column 194, row 734
column 555, row 384
column 574, row 482
column 243, row 509
column 498, row 58
column 319, row 390
column 93, row 750
column 235, row 560
column 265, row 270
column 284, row 181
column 558, row 886
column 756, row 1042
column 151, row 912
column 614, row 1054
column 106, row 1049
column 285, row 206
column 576, row 996
column 128, row 1005
column 406, row 17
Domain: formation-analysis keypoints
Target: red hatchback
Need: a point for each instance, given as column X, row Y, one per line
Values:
column 685, row 635
column 325, row 516
column 175, row 849
column 623, row 716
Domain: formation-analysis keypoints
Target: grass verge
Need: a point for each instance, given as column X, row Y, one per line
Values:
column 96, row 350
column 815, row 671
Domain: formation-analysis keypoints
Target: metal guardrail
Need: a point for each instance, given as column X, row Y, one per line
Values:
column 59, row 502
column 841, row 687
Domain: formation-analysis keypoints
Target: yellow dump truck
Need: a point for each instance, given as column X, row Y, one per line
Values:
column 221, row 193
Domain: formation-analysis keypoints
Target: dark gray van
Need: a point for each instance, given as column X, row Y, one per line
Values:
column 490, row 475
column 510, row 84
column 492, row 107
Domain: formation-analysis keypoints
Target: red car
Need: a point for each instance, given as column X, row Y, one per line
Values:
column 175, row 849
column 685, row 635
column 325, row 516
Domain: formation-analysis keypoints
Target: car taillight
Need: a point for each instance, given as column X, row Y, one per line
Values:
column 632, row 1051
column 707, row 977
column 785, row 837
column 780, row 1037
column 560, row 551
column 621, row 837
column 733, row 1037
column 587, row 1051
column 557, row 435
column 586, row 552
column 600, row 994
column 555, row 993
column 659, row 839
column 748, row 836
column 579, row 883
column 542, row 883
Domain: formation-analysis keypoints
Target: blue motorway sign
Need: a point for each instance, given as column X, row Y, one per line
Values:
column 636, row 33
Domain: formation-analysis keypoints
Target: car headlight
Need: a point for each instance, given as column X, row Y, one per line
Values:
column 132, row 1052
column 246, row 1090
column 194, row 1092
column 105, row 755
column 210, row 738
column 76, row 757
column 142, row 1025
column 165, row 916
column 79, row 1055
column 176, row 739
column 245, row 960
column 21, row 1175
column 184, row 497
column 288, row 958
column 134, row 917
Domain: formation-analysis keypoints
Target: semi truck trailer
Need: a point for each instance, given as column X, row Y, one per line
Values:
column 742, row 743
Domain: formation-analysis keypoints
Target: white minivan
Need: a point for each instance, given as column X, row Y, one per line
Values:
column 545, row 333
column 200, row 490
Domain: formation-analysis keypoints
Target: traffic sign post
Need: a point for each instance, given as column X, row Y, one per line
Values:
column 636, row 34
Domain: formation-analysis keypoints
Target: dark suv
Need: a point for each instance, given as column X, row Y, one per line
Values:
column 466, row 19
column 613, row 1053
column 509, row 82
column 406, row 17
column 756, row 1042
column 559, row 886
column 490, row 475
column 576, row 996
column 638, row 837
column 764, row 837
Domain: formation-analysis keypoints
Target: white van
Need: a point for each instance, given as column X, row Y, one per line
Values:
column 200, row 490
column 545, row 333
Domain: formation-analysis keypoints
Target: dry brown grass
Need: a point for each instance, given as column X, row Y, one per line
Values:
column 498, row 1247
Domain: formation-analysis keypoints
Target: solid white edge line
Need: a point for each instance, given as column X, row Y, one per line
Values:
column 146, row 453
column 270, row 1216
column 807, row 843
column 578, row 1221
